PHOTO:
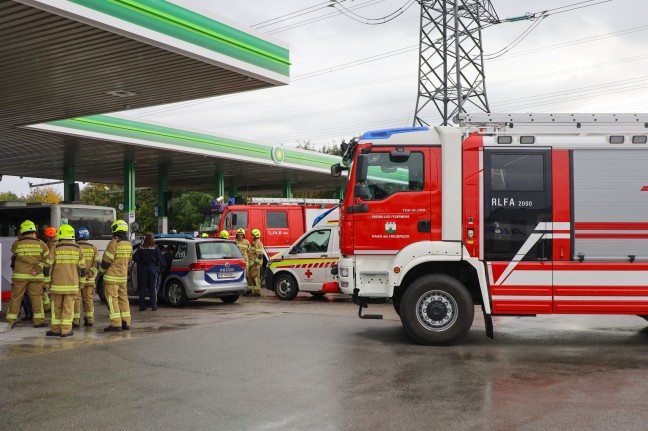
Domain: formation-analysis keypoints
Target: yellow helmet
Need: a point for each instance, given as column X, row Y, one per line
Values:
column 204, row 235
column 240, row 231
column 119, row 226
column 224, row 234
column 27, row 226
column 66, row 232
column 256, row 233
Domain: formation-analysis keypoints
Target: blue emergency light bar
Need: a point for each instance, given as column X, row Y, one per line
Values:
column 387, row 133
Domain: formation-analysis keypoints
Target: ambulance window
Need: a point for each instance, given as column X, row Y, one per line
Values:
column 386, row 177
column 277, row 219
column 236, row 219
column 315, row 242
column 517, row 172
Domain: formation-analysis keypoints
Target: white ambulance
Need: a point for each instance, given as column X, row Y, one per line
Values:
column 306, row 265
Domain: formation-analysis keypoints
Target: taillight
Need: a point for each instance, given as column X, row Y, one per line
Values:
column 201, row 265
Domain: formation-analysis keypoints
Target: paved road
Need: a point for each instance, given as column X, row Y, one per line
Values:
column 266, row 365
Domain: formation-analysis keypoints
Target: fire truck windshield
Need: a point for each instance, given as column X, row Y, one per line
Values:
column 385, row 177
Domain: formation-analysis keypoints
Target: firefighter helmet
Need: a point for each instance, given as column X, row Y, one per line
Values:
column 66, row 232
column 204, row 235
column 119, row 226
column 50, row 232
column 82, row 233
column 240, row 231
column 256, row 233
column 27, row 226
column 224, row 234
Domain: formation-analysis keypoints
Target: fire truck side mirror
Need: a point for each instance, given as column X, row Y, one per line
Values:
column 336, row 170
column 234, row 219
column 361, row 191
column 399, row 155
column 362, row 166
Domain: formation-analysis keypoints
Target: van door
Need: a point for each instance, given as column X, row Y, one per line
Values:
column 518, row 229
column 333, row 254
column 310, row 257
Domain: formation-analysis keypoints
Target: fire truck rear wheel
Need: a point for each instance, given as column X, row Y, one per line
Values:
column 285, row 287
column 436, row 310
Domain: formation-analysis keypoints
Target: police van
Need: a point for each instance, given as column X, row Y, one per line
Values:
column 306, row 265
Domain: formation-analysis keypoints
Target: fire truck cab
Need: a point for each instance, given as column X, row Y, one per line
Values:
column 522, row 214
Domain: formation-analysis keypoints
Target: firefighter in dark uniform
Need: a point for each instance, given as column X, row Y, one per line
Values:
column 255, row 260
column 67, row 268
column 114, row 267
column 28, row 260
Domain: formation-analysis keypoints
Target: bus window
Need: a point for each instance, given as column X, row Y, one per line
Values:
column 98, row 221
column 12, row 217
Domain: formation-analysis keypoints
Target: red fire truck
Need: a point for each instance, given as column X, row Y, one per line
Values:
column 280, row 220
column 521, row 214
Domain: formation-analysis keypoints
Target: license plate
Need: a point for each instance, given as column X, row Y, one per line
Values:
column 225, row 275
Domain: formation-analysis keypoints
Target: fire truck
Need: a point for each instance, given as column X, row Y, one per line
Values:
column 280, row 220
column 520, row 214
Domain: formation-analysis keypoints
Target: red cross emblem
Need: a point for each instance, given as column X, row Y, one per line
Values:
column 308, row 273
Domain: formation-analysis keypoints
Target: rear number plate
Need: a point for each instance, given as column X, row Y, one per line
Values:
column 225, row 275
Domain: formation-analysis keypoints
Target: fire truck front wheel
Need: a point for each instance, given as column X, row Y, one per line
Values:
column 285, row 287
column 436, row 310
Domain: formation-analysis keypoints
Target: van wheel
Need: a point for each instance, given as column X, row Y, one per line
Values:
column 436, row 310
column 229, row 299
column 176, row 294
column 285, row 287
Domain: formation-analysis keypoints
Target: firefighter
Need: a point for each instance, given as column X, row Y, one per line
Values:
column 87, row 283
column 67, row 267
column 255, row 260
column 114, row 267
column 223, row 234
column 50, row 238
column 244, row 246
column 28, row 261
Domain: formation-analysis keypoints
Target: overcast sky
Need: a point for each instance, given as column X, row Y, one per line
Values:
column 587, row 60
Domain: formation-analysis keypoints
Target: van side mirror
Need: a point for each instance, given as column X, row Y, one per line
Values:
column 362, row 167
column 399, row 155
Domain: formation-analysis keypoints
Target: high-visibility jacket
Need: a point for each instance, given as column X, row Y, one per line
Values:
column 52, row 243
column 29, row 256
column 92, row 260
column 114, row 265
column 67, row 267
column 255, row 253
column 243, row 246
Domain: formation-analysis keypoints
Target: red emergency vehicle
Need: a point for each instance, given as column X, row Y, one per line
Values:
column 522, row 214
column 280, row 220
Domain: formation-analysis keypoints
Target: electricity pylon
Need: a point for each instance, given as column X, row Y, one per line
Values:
column 451, row 64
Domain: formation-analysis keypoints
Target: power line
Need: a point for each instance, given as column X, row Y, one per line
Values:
column 375, row 21
column 292, row 15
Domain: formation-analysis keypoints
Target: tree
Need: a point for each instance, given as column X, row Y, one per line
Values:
column 113, row 195
column 10, row 197
column 185, row 215
column 47, row 194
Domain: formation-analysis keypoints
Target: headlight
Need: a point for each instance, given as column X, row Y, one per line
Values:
column 344, row 272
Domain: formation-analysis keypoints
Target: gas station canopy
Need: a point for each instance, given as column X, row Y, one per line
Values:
column 65, row 61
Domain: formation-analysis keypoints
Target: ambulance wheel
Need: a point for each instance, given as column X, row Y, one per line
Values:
column 436, row 310
column 285, row 287
column 176, row 295
column 229, row 299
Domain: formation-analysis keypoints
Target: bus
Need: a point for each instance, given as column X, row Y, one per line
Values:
column 96, row 219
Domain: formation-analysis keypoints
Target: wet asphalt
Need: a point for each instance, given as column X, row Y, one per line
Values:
column 263, row 364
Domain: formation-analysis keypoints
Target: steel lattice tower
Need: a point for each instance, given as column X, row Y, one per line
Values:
column 451, row 64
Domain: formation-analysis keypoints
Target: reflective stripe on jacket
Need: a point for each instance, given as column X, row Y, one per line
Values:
column 30, row 256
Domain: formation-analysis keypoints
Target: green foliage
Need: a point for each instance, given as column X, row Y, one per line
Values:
column 185, row 214
column 10, row 197
column 112, row 195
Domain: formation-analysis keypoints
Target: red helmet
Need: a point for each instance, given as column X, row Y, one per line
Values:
column 50, row 232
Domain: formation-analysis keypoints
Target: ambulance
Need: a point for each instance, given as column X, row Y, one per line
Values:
column 517, row 214
column 307, row 266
